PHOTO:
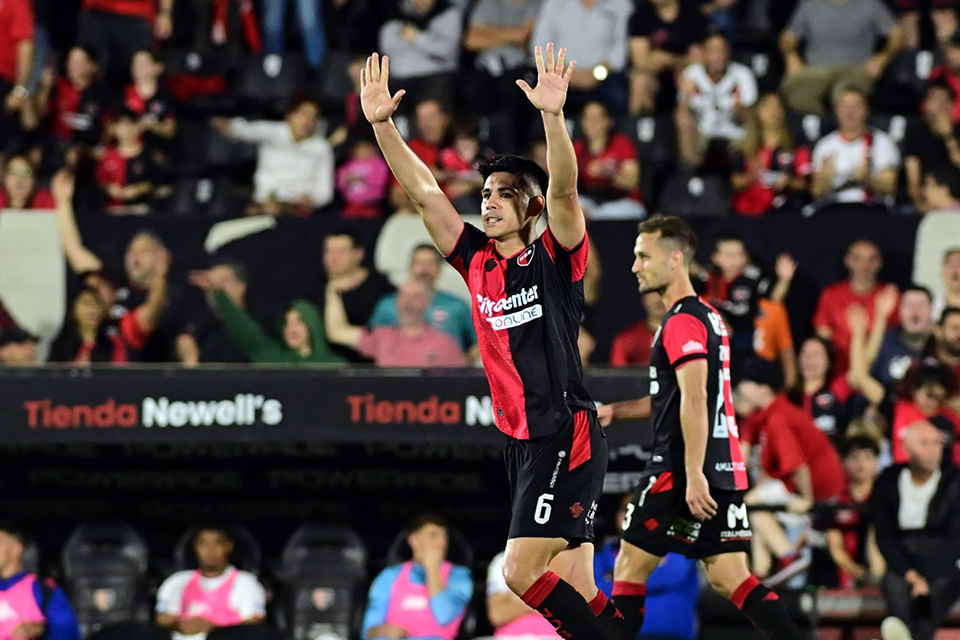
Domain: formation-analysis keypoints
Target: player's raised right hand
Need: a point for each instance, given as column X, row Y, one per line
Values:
column 701, row 503
column 375, row 99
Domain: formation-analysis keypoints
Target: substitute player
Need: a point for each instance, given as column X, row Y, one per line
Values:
column 528, row 296
column 690, row 497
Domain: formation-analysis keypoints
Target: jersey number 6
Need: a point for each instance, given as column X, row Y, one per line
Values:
column 542, row 514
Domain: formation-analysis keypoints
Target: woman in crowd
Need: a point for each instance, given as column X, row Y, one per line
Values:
column 824, row 397
column 769, row 169
column 87, row 337
column 19, row 190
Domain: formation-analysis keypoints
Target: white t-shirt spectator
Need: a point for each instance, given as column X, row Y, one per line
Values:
column 714, row 103
column 875, row 147
column 287, row 169
column 246, row 598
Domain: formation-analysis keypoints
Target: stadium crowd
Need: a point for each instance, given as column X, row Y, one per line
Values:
column 151, row 108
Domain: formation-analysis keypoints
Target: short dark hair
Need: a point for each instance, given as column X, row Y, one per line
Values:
column 437, row 100
column 213, row 525
column 150, row 52
column 149, row 233
column 126, row 114
column 299, row 101
column 859, row 443
column 523, row 168
column 716, row 34
column 728, row 237
column 918, row 288
column 88, row 50
column 675, row 230
column 239, row 271
column 14, row 530
column 426, row 247
column 947, row 176
column 929, row 373
column 946, row 313
column 422, row 520
column 849, row 88
column 347, row 233
column 863, row 240
column 103, row 274
column 463, row 127
column 760, row 371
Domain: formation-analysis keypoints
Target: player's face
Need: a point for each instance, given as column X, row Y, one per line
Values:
column 814, row 360
column 860, row 465
column 506, row 205
column 951, row 272
column 430, row 538
column 916, row 312
column 653, row 264
column 730, row 257
column 213, row 550
column 863, row 261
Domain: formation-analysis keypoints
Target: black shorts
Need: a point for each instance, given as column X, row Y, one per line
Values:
column 659, row 521
column 556, row 480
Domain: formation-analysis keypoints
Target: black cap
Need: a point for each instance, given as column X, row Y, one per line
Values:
column 15, row 336
column 761, row 371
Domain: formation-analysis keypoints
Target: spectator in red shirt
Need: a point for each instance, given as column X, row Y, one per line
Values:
column 609, row 167
column 432, row 122
column 16, row 57
column 412, row 343
column 119, row 28
column 128, row 171
column 769, row 169
column 20, row 190
column 147, row 98
column 88, row 335
column 75, row 101
column 823, row 396
column 863, row 262
column 458, row 165
column 633, row 345
column 799, row 465
column 851, row 541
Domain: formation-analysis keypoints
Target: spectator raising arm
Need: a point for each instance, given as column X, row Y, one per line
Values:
column 566, row 219
column 78, row 256
column 339, row 329
column 441, row 219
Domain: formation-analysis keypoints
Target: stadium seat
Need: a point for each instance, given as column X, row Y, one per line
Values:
column 323, row 572
column 31, row 557
column 807, row 129
column 104, row 570
column 333, row 82
column 894, row 125
column 193, row 62
column 205, row 150
column 656, row 141
column 693, row 196
column 765, row 62
column 270, row 89
column 496, row 132
column 210, row 197
column 246, row 550
column 130, row 631
column 902, row 85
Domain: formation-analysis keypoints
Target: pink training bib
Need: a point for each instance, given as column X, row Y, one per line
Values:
column 410, row 607
column 18, row 604
column 213, row 605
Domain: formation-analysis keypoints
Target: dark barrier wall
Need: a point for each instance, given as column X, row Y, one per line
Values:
column 270, row 448
column 285, row 263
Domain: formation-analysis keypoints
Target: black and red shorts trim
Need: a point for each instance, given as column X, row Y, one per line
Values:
column 659, row 521
column 556, row 480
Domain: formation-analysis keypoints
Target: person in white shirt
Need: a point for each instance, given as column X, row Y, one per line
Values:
column 216, row 594
column 510, row 617
column 950, row 274
column 855, row 163
column 295, row 166
column 714, row 101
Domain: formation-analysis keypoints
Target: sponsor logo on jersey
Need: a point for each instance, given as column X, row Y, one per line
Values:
column 737, row 513
column 730, row 467
column 684, row 530
column 527, row 256
column 525, row 296
column 692, row 347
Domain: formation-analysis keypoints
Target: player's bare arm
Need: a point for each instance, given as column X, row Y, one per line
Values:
column 694, row 422
column 638, row 409
column 563, row 204
column 441, row 219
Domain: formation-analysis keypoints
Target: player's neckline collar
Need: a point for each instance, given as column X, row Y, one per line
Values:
column 512, row 256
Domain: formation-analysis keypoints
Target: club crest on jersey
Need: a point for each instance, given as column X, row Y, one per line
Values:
column 526, row 257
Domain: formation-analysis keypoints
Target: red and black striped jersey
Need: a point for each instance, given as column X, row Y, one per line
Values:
column 693, row 330
column 526, row 310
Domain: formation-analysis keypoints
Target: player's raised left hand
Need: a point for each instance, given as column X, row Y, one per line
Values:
column 701, row 503
column 552, row 81
column 375, row 99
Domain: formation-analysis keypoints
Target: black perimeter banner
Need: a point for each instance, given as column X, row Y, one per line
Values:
column 269, row 449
